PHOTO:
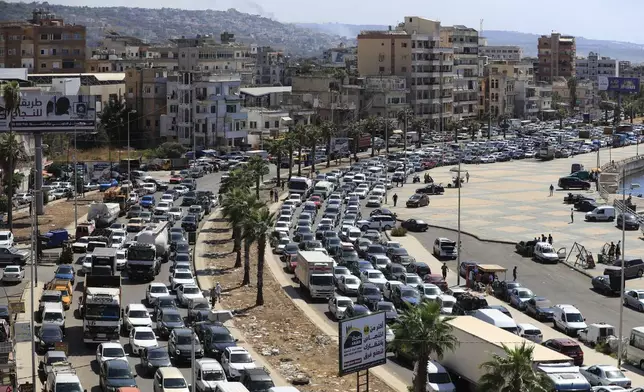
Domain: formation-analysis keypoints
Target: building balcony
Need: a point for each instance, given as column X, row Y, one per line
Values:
column 466, row 102
column 184, row 87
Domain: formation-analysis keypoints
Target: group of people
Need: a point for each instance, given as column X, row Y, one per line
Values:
column 543, row 238
column 614, row 251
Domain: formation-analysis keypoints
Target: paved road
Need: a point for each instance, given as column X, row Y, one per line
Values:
column 558, row 283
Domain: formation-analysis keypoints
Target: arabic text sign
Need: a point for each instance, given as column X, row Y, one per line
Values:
column 620, row 85
column 362, row 343
column 39, row 112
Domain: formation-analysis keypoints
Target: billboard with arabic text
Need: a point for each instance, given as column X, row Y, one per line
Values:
column 38, row 112
column 363, row 343
column 620, row 85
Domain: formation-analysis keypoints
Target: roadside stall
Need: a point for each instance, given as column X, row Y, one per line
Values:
column 458, row 177
column 480, row 274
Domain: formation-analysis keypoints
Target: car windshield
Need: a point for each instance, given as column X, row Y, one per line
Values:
column 184, row 339
column 53, row 360
column 144, row 335
column 240, row 358
column 68, row 387
column 371, row 291
column 343, row 303
column 376, row 275
column 176, row 237
column 409, row 293
column 158, row 289
column 351, row 281
column 574, row 318
column 167, row 303
column 119, row 373
column 183, row 275
column 614, row 374
column 432, row 291
column 386, row 307
column 158, row 354
column 438, row 378
column 525, row 294
column 213, row 375
column 531, row 332
column 51, row 333
column 171, row 317
column 52, row 316
column 113, row 352
column 191, row 290
column 139, row 313
column 17, row 269
column 448, row 303
column 174, row 383
column 412, row 280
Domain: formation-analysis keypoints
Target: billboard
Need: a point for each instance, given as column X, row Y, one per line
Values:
column 620, row 85
column 362, row 343
column 38, row 112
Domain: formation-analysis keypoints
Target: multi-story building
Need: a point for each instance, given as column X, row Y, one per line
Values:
column 264, row 123
column 43, row 44
column 147, row 94
column 340, row 57
column 594, row 66
column 498, row 89
column 557, row 54
column 105, row 87
column 269, row 67
column 586, row 93
column 532, row 98
column 502, row 52
column 386, row 96
column 384, row 53
column 464, row 41
column 205, row 111
column 328, row 96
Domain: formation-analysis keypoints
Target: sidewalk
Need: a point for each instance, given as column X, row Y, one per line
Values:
column 591, row 357
column 23, row 347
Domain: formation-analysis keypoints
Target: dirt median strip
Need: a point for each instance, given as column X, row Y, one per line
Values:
column 279, row 330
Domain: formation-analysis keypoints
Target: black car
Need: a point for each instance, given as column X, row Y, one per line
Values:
column 180, row 345
column 573, row 183
column 115, row 374
column 391, row 314
column 319, row 232
column 628, row 221
column 297, row 236
column 167, row 302
column 198, row 310
column 153, row 358
column 417, row 200
column 395, row 253
column 383, row 211
column 189, row 198
column 394, row 271
column 181, row 247
column 602, row 284
column 586, row 205
column 431, row 189
column 502, row 289
column 175, row 238
column 289, row 251
column 215, row 340
column 310, row 245
column 540, row 308
column 168, row 320
column 4, row 313
column 369, row 295
column 414, row 225
column 256, row 380
column 190, row 223
column 48, row 336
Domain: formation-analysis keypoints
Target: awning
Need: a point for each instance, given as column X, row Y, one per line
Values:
column 397, row 131
column 287, row 119
column 491, row 268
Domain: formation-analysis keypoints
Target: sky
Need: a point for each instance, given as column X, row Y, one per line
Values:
column 596, row 19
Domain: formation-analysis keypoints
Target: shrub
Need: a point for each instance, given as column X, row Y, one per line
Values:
column 3, row 203
column 66, row 256
column 398, row 232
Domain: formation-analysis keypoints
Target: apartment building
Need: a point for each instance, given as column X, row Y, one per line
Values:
column 385, row 96
column 586, row 93
column 204, row 54
column 499, row 86
column 264, row 123
column 464, row 41
column 147, row 94
column 501, row 52
column 593, row 66
column 533, row 99
column 328, row 95
column 557, row 54
column 340, row 57
column 384, row 53
column 270, row 65
column 204, row 110
column 43, row 44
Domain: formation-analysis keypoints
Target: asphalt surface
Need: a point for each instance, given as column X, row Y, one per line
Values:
column 557, row 282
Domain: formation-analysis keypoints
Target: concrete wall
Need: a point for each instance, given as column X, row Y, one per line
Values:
column 612, row 174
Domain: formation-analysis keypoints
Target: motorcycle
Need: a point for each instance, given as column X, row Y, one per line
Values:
column 416, row 179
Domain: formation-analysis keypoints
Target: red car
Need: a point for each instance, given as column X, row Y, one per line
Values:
column 176, row 179
column 317, row 200
column 437, row 280
column 567, row 347
column 291, row 264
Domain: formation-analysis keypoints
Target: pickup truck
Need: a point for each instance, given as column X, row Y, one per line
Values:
column 14, row 256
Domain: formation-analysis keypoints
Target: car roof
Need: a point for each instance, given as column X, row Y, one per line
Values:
column 143, row 329
column 158, row 284
column 137, row 307
column 526, row 326
column 565, row 341
column 112, row 345
column 182, row 331
column 370, row 285
column 342, row 297
column 170, row 372
column 237, row 349
column 117, row 363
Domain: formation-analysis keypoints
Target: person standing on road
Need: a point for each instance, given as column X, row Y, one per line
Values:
column 467, row 176
column 618, row 251
column 552, row 190
column 572, row 216
column 271, row 193
column 444, row 271
column 514, row 273
column 395, row 198
column 550, row 239
column 215, row 294
column 277, row 195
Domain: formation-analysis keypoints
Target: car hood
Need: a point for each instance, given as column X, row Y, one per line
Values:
column 188, row 347
column 221, row 346
column 391, row 315
column 243, row 366
column 47, row 340
column 145, row 343
column 5, row 243
column 120, row 382
column 140, row 321
column 172, row 324
column 182, row 281
column 160, row 362
column 373, row 297
column 548, row 310
column 445, row 387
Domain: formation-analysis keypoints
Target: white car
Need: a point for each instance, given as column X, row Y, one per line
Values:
column 348, row 284
column 530, row 332
column 374, row 201
column 22, row 198
column 338, row 305
column 389, row 288
column 295, row 198
column 80, row 246
column 133, row 198
column 118, row 241
column 167, row 198
column 136, row 315
column 235, row 360
column 187, row 293
column 163, row 206
column 154, row 291
column 635, row 299
column 181, row 189
column 362, row 193
column 181, row 277
column 13, row 274
column 605, row 375
column 86, row 262
column 380, row 261
column 282, row 226
column 142, row 337
column 121, row 259
column 108, row 351
column 373, row 276
column 176, row 212
column 446, row 303
column 339, row 272
column 6, row 239
column 429, row 292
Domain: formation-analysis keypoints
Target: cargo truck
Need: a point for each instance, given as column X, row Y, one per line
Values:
column 103, row 261
column 157, row 235
column 464, row 361
column 314, row 272
column 101, row 309
column 142, row 262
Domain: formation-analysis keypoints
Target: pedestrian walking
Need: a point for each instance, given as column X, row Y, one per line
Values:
column 215, row 294
column 276, row 194
column 514, row 273
column 444, row 270
column 467, row 176
column 611, row 250
column 271, row 193
column 395, row 198
column 572, row 216
column 552, row 190
column 283, row 183
column 550, row 239
column 618, row 251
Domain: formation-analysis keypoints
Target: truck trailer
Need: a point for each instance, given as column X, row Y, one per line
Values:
column 142, row 262
column 314, row 272
column 101, row 309
column 157, row 235
column 103, row 261
column 103, row 214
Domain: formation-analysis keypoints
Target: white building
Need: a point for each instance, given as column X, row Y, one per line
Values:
column 464, row 41
column 263, row 123
column 501, row 52
column 209, row 105
column 594, row 66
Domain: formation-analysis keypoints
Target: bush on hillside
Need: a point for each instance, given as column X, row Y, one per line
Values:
column 398, row 232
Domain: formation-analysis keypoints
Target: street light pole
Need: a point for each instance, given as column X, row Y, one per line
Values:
column 128, row 146
column 458, row 239
column 76, row 183
column 34, row 256
column 193, row 360
column 621, row 289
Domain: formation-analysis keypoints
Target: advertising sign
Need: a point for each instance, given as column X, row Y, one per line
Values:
column 362, row 343
column 38, row 112
column 620, row 85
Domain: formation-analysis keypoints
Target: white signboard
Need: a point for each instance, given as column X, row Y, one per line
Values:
column 602, row 82
column 38, row 112
column 362, row 343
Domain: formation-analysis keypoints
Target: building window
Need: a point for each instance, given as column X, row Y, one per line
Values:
column 67, row 36
column 1, row 51
column 43, row 65
column 277, row 124
column 267, row 124
column 148, row 90
column 217, row 90
column 57, row 37
column 43, row 51
column 231, row 109
column 65, row 51
column 253, row 125
column 381, row 69
column 213, row 109
column 53, row 52
column 147, row 122
column 43, row 37
column 403, row 69
column 156, row 123
column 78, row 36
column 55, row 65
column 77, row 52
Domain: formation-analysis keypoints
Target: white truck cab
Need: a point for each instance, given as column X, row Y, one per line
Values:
column 438, row 379
column 63, row 379
column 53, row 313
column 568, row 318
column 209, row 373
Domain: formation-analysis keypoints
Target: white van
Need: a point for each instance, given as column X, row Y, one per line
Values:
column 324, row 188
column 438, row 379
column 568, row 318
column 601, row 214
column 530, row 332
column 545, row 253
column 223, row 386
column 635, row 350
column 496, row 318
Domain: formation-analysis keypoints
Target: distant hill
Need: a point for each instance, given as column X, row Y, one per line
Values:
column 160, row 25
column 614, row 49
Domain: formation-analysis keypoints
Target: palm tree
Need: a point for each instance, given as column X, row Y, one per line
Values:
column 513, row 372
column 252, row 205
column 418, row 124
column 235, row 208
column 354, row 129
column 298, row 135
column 328, row 130
column 370, row 126
column 291, row 142
column 503, row 123
column 257, row 168
column 405, row 117
column 387, row 125
column 312, row 138
column 261, row 221
column 11, row 97
column 420, row 333
column 278, row 148
column 237, row 178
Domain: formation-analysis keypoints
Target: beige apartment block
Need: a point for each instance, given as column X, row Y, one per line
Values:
column 498, row 88
column 147, row 94
column 464, row 41
column 384, row 53
column 557, row 54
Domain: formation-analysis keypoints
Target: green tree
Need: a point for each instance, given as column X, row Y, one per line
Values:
column 252, row 205
column 312, row 139
column 10, row 148
column 422, row 332
column 114, row 120
column 257, row 168
column 354, row 129
column 371, row 127
column 513, row 372
column 504, row 123
column 234, row 208
column 170, row 150
column 299, row 133
column 328, row 131
column 237, row 178
column 387, row 126
column 261, row 221
column 405, row 117
column 278, row 148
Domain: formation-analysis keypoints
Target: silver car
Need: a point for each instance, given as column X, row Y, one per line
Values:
column 635, row 299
